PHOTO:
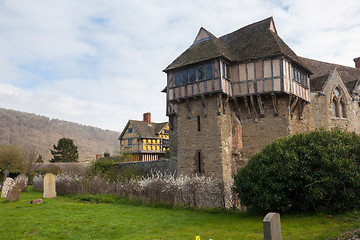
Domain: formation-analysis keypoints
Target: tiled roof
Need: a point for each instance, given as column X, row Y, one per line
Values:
column 144, row 129
column 252, row 42
column 320, row 70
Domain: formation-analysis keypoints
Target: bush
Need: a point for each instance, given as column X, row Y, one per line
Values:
column 157, row 188
column 113, row 171
column 319, row 170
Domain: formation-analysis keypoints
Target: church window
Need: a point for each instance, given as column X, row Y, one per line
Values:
column 184, row 77
column 208, row 71
column 200, row 72
column 130, row 142
column 339, row 103
column 192, row 75
column 130, row 130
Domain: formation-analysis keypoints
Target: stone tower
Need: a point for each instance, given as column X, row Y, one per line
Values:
column 228, row 97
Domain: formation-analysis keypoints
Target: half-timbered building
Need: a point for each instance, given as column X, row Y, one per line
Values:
column 228, row 97
column 144, row 140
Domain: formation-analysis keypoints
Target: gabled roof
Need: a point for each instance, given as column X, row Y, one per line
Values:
column 321, row 70
column 201, row 51
column 255, row 41
column 144, row 129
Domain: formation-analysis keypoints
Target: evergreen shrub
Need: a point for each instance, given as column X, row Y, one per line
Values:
column 313, row 171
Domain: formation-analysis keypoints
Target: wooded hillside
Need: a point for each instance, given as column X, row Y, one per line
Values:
column 29, row 130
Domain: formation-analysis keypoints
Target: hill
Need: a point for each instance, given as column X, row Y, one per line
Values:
column 40, row 133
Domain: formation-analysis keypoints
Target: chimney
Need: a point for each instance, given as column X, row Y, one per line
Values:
column 357, row 62
column 147, row 118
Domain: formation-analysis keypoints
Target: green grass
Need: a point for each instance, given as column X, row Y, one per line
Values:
column 107, row 217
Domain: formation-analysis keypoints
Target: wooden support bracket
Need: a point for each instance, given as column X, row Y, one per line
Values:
column 247, row 105
column 173, row 109
column 293, row 106
column 276, row 113
column 254, row 108
column 204, row 105
column 301, row 109
column 188, row 108
column 261, row 106
column 237, row 109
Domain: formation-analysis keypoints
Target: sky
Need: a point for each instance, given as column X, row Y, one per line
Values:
column 99, row 63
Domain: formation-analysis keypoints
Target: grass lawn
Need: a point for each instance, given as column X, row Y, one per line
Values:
column 72, row 218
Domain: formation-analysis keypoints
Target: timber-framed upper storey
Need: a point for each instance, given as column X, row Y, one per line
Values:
column 251, row 61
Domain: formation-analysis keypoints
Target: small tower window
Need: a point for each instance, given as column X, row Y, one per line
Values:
column 198, row 123
column 200, row 73
column 192, row 75
column 177, row 79
column 184, row 77
column 208, row 71
column 199, row 162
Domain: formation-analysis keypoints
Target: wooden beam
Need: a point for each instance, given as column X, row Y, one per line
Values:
column 293, row 106
column 173, row 109
column 253, row 108
column 204, row 105
column 188, row 108
column 247, row 105
column 276, row 113
column 301, row 109
column 237, row 109
column 261, row 107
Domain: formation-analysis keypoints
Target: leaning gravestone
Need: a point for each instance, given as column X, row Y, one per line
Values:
column 22, row 181
column 13, row 194
column 7, row 185
column 272, row 227
column 49, row 186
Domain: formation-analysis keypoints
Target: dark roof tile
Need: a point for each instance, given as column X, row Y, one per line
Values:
column 249, row 43
column 319, row 69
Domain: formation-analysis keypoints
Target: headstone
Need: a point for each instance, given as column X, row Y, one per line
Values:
column 272, row 227
column 36, row 201
column 7, row 185
column 13, row 194
column 22, row 181
column 49, row 186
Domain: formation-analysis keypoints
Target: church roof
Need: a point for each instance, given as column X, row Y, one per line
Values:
column 321, row 71
column 255, row 41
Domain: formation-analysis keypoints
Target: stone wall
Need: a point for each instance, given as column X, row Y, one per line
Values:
column 212, row 143
column 320, row 113
column 166, row 166
column 257, row 133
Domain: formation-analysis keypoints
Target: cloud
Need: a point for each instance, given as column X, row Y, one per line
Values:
column 100, row 63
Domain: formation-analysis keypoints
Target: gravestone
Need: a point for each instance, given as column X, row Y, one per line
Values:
column 13, row 194
column 272, row 227
column 49, row 186
column 7, row 185
column 22, row 181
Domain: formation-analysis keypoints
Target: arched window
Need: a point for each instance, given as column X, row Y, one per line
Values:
column 339, row 103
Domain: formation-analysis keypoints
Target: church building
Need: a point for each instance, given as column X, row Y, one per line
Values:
column 229, row 96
